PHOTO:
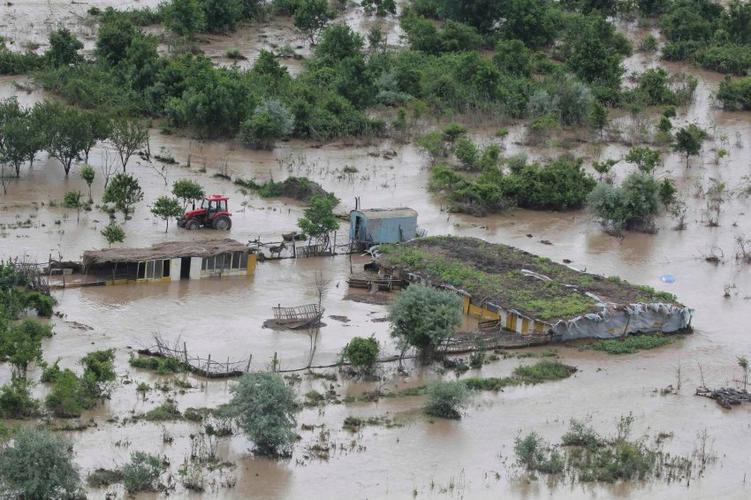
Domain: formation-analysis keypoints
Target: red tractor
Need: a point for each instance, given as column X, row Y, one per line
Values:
column 211, row 213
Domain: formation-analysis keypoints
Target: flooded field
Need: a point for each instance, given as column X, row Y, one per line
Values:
column 419, row 457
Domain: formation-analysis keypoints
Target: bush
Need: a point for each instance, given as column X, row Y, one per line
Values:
column 631, row 344
column 630, row 206
column 558, row 185
column 446, row 399
column 165, row 411
column 362, row 353
column 142, row 472
column 39, row 465
column 535, row 454
column 269, row 122
column 69, row 396
column 162, row 365
column 733, row 59
column 735, row 93
column 424, row 317
column 265, row 408
column 16, row 400
column 543, row 371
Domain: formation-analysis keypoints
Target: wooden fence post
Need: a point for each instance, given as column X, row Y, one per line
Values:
column 208, row 365
column 273, row 363
column 185, row 352
column 227, row 364
column 247, row 368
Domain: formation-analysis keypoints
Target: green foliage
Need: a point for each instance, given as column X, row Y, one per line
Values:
column 728, row 59
column 142, row 472
column 423, row 35
column 735, row 93
column 512, row 56
column 69, row 133
column 535, row 454
column 319, row 219
column 38, row 465
column 184, row 17
column 16, row 400
column 87, row 174
column 381, row 7
column 631, row 343
column 446, row 399
column 166, row 207
column 187, row 191
column 656, row 87
column 361, row 353
column 270, row 121
column 424, row 317
column 645, row 158
column 559, row 185
column 688, row 140
column 64, row 47
column 21, row 343
column 72, row 199
column 16, row 63
column 631, row 206
column 222, row 15
column 265, row 408
column 113, row 233
column 165, row 411
column 162, row 365
column 543, row 371
column 311, row 16
column 298, row 188
column 123, row 191
column 128, row 136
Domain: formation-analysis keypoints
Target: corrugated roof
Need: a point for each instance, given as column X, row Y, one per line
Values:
column 388, row 213
column 166, row 250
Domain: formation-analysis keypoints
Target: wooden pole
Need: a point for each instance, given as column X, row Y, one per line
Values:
column 247, row 368
column 227, row 364
column 273, row 363
column 185, row 352
column 208, row 366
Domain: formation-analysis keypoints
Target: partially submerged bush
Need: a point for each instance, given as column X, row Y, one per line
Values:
column 631, row 344
column 142, row 472
column 361, row 353
column 162, row 365
column 446, row 399
column 16, row 400
column 735, row 93
column 265, row 408
column 543, row 371
column 38, row 465
column 535, row 454
column 165, row 411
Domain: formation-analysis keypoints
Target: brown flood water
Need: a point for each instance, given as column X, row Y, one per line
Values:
column 436, row 459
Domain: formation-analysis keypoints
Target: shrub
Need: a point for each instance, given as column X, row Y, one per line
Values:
column 446, row 399
column 362, row 353
column 269, row 122
column 165, row 411
column 631, row 344
column 630, row 206
column 558, row 185
column 543, row 371
column 733, row 59
column 38, row 465
column 424, row 317
column 735, row 93
column 265, row 408
column 69, row 396
column 161, row 365
column 142, row 472
column 535, row 454
column 16, row 400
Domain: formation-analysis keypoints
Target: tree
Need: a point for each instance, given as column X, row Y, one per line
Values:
column 113, row 39
column 424, row 318
column 446, row 399
column 270, row 121
column 187, row 191
column 72, row 199
column 38, row 465
column 381, row 7
column 67, row 133
column 21, row 344
column 688, row 140
column 265, row 408
column 124, row 192
column 598, row 117
column 165, row 208
column 141, row 472
column 184, row 17
column 87, row 174
column 319, row 219
column 16, row 401
column 362, row 353
column 311, row 16
column 113, row 233
column 128, row 135
column 645, row 158
column 603, row 167
column 630, row 206
column 64, row 47
column 19, row 140
column 222, row 15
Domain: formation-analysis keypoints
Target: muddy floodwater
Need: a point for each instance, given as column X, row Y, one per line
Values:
column 420, row 457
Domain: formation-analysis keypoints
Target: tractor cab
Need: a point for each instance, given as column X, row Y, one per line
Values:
column 211, row 213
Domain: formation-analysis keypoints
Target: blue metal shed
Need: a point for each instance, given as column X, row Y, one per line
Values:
column 382, row 225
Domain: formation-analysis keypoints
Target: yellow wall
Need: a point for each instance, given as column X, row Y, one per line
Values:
column 252, row 258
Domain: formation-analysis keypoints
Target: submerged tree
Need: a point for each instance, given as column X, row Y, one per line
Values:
column 128, row 136
column 87, row 174
column 361, row 353
column 265, row 408
column 645, row 158
column 187, row 191
column 113, row 233
column 72, row 199
column 424, row 318
column 166, row 207
column 311, row 16
column 688, row 140
column 446, row 399
column 319, row 219
column 123, row 191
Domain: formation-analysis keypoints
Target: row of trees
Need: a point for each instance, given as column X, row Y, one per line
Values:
column 65, row 133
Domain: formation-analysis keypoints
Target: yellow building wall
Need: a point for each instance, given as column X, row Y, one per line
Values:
column 252, row 259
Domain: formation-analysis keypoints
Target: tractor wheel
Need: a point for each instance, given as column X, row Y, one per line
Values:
column 222, row 223
column 192, row 225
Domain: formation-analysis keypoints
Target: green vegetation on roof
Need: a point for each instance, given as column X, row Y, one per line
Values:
column 497, row 274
